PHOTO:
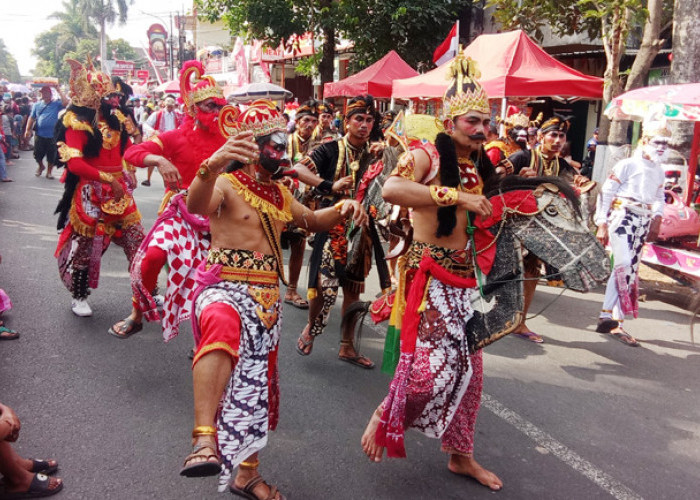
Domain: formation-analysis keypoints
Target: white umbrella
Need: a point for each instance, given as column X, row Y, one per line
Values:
column 253, row 91
column 18, row 87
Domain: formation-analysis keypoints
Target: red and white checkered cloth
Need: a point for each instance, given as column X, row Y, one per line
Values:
column 185, row 239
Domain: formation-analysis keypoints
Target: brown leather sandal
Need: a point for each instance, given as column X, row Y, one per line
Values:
column 247, row 490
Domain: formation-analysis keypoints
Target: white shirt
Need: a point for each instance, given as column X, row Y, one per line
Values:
column 640, row 180
column 167, row 122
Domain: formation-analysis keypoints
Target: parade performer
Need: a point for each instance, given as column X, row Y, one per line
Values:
column 324, row 131
column 335, row 169
column 515, row 140
column 544, row 160
column 436, row 388
column 179, row 238
column 629, row 213
column 238, row 306
column 300, row 144
column 97, row 203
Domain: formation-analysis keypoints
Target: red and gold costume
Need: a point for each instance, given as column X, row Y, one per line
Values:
column 178, row 237
column 93, row 155
column 436, row 388
column 238, row 308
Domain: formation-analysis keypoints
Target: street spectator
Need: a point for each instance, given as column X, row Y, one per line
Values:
column 138, row 110
column 161, row 121
column 45, row 115
column 6, row 305
column 589, row 160
column 4, row 148
column 25, row 109
column 6, row 123
column 22, row 477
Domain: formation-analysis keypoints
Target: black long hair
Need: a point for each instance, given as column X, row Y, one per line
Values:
column 449, row 176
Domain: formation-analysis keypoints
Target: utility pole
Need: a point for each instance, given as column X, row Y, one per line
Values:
column 172, row 68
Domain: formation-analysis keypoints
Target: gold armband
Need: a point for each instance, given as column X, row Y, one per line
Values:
column 339, row 206
column 405, row 167
column 128, row 166
column 106, row 178
column 65, row 152
column 444, row 196
column 204, row 173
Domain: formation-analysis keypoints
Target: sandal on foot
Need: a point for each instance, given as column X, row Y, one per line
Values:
column 305, row 343
column 358, row 360
column 39, row 487
column 211, row 466
column 125, row 328
column 531, row 336
column 625, row 338
column 247, row 490
column 607, row 325
column 7, row 334
column 43, row 466
column 297, row 301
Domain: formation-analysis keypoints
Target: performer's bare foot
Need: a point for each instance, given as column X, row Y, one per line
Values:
column 467, row 466
column 369, row 438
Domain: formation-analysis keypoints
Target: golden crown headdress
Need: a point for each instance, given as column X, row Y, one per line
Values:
column 465, row 93
column 196, row 87
column 87, row 85
column 261, row 117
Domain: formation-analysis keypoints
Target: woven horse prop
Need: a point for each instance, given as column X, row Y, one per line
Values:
column 538, row 215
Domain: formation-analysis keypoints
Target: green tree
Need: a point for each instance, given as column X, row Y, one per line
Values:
column 275, row 21
column 103, row 13
column 685, row 67
column 412, row 28
column 73, row 25
column 611, row 21
column 121, row 49
column 8, row 64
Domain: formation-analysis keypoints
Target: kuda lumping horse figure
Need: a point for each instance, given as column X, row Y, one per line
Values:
column 538, row 215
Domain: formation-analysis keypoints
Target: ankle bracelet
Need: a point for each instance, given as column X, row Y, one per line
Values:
column 249, row 465
column 203, row 430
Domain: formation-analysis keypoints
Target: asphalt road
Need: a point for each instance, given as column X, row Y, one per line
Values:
column 581, row 416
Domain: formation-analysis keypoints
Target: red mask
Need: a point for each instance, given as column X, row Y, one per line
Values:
column 208, row 121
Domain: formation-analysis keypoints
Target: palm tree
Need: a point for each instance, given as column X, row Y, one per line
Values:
column 72, row 28
column 104, row 12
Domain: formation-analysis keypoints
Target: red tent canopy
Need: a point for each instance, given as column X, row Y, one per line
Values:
column 375, row 80
column 511, row 65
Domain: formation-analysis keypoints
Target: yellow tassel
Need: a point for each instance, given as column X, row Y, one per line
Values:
column 311, row 294
column 424, row 303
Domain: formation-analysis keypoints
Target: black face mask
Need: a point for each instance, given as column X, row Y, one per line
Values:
column 272, row 165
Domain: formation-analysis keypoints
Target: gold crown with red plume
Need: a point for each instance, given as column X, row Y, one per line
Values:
column 262, row 118
column 87, row 85
column 464, row 93
column 196, row 87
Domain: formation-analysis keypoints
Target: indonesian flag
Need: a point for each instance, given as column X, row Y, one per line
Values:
column 447, row 49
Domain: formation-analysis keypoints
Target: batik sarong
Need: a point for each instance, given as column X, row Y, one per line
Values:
column 628, row 226
column 249, row 405
column 185, row 239
column 434, row 371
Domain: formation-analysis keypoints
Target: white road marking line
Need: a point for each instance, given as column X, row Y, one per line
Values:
column 605, row 481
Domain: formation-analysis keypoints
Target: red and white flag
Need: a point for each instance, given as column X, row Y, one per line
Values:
column 447, row 49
